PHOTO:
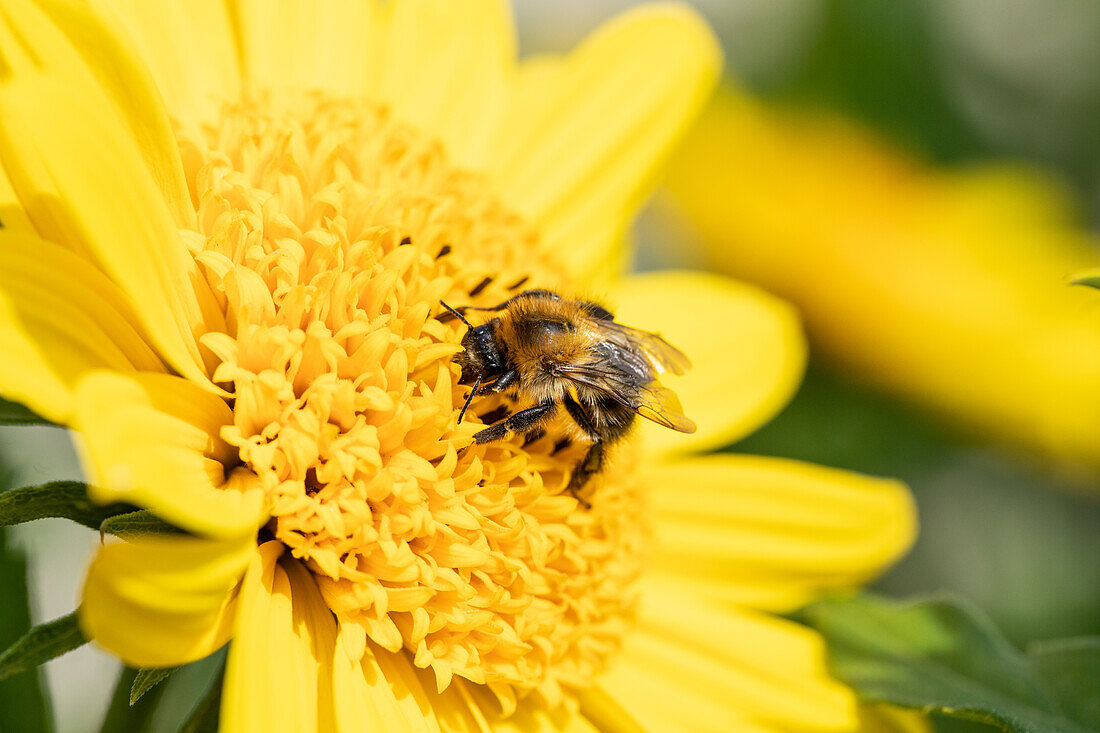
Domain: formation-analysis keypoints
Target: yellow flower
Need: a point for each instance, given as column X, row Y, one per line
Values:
column 946, row 287
column 232, row 296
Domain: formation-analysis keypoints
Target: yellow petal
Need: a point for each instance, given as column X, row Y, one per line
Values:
column 279, row 674
column 577, row 151
column 445, row 70
column 107, row 53
column 79, row 174
column 190, row 50
column 297, row 44
column 746, row 348
column 12, row 216
column 161, row 602
column 383, row 691
column 530, row 715
column 60, row 318
column 772, row 532
column 153, row 440
column 693, row 666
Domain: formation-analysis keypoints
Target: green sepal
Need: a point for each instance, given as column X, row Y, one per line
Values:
column 41, row 644
column 141, row 523
column 943, row 655
column 147, row 679
column 1088, row 278
column 205, row 717
column 57, row 499
column 13, row 413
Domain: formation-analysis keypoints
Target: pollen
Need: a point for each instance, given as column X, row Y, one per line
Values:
column 330, row 232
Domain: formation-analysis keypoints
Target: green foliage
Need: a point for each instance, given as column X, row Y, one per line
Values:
column 872, row 60
column 1089, row 280
column 41, row 644
column 204, row 718
column 56, row 499
column 126, row 715
column 945, row 656
column 24, row 704
column 13, row 413
column 136, row 524
column 1069, row 672
column 147, row 679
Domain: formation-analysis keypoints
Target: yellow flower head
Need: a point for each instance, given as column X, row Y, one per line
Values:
column 234, row 298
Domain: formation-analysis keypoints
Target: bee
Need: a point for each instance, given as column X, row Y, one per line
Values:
column 552, row 353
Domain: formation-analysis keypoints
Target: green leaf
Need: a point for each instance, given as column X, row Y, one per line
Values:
column 64, row 499
column 147, row 679
column 13, row 413
column 1069, row 671
column 124, row 716
column 941, row 655
column 141, row 523
column 24, row 704
column 41, row 644
column 204, row 718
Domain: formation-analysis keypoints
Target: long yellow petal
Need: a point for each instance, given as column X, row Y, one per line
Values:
column 746, row 347
column 120, row 72
column 12, row 216
column 297, row 44
column 60, row 318
column 153, row 440
column 693, row 666
column 578, row 150
column 772, row 532
column 190, row 51
column 446, row 68
column 279, row 674
column 81, row 178
column 161, row 602
column 382, row 691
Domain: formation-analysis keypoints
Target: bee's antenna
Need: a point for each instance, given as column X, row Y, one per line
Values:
column 460, row 317
column 477, row 383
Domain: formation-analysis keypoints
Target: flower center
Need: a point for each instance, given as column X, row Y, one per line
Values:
column 331, row 232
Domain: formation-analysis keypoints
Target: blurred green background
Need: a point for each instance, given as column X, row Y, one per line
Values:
column 954, row 81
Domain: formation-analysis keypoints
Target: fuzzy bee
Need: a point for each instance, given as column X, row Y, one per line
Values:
column 548, row 352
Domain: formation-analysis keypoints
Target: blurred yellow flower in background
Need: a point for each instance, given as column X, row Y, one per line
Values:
column 947, row 287
column 226, row 234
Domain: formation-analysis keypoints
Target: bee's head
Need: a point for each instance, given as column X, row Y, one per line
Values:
column 482, row 356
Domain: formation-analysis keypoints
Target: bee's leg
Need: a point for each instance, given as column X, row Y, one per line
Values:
column 587, row 467
column 593, row 459
column 532, row 436
column 521, row 422
column 504, row 381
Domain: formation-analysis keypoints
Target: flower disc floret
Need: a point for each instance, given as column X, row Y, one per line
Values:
column 331, row 232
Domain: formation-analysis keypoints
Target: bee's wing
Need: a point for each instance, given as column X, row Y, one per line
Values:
column 660, row 353
column 661, row 405
column 652, row 401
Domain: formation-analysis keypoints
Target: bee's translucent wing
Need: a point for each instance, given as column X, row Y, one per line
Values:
column 663, row 356
column 661, row 405
column 652, row 401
